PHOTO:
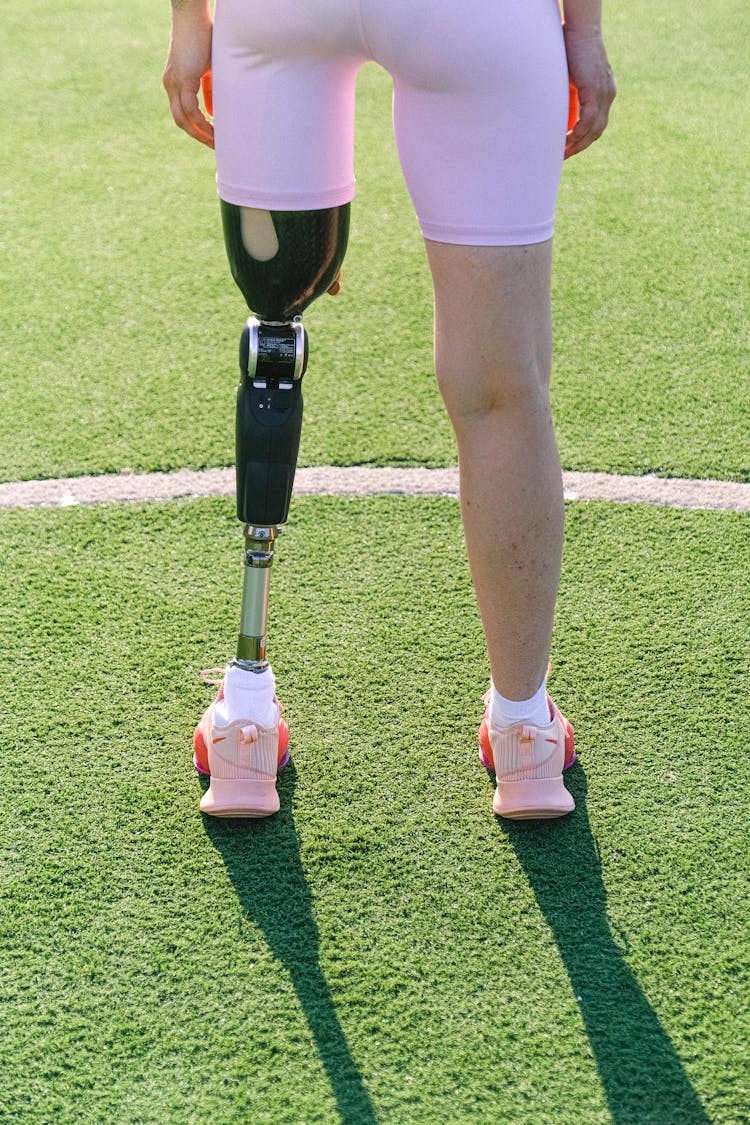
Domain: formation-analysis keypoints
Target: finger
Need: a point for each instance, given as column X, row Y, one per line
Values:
column 193, row 129
column 187, row 114
column 591, row 123
column 200, row 127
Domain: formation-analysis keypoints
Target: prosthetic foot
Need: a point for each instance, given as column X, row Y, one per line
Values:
column 281, row 261
column 242, row 759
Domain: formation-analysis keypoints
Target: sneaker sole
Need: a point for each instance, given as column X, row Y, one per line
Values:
column 532, row 800
column 240, row 798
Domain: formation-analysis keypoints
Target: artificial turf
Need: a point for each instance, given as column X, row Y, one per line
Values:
column 120, row 322
column 385, row 949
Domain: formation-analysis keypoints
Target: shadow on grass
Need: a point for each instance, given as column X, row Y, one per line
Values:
column 263, row 861
column 642, row 1076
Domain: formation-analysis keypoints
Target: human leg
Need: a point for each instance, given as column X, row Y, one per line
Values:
column 493, row 356
column 481, row 148
column 480, row 114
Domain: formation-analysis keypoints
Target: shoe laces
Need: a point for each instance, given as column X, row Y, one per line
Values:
column 212, row 676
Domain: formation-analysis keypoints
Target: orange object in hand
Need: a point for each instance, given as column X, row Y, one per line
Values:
column 207, row 91
column 572, row 105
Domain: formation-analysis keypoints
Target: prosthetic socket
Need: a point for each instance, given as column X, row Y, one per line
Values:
column 281, row 261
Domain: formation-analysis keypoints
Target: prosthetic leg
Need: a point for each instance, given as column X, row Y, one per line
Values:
column 281, row 261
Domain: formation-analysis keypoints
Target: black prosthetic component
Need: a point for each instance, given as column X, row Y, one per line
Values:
column 311, row 250
column 269, row 420
column 276, row 354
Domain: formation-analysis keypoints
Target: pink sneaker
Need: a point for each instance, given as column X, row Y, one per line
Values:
column 528, row 762
column 242, row 760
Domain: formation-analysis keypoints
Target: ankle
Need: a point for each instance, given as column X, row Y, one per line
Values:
column 506, row 712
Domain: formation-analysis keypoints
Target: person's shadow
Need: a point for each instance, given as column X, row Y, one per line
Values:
column 642, row 1076
column 262, row 859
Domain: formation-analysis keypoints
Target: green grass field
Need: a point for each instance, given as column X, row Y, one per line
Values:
column 384, row 950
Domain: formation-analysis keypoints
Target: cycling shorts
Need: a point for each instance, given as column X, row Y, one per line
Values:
column 480, row 104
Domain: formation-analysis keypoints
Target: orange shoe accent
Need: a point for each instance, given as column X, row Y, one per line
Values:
column 200, row 751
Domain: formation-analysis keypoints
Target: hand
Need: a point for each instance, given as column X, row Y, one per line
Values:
column 591, row 74
column 188, row 60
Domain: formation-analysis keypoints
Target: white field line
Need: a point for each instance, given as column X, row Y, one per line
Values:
column 363, row 481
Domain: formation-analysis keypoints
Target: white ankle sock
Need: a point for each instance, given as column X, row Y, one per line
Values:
column 247, row 695
column 506, row 712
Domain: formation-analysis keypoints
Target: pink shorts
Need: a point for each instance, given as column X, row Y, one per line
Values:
column 480, row 103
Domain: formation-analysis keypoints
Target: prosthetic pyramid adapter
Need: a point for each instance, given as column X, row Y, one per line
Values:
column 281, row 262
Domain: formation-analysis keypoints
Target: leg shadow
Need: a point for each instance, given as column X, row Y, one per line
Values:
column 263, row 861
column 642, row 1076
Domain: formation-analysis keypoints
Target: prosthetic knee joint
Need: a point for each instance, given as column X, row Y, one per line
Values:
column 281, row 261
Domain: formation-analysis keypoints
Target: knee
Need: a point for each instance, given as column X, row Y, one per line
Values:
column 494, row 387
